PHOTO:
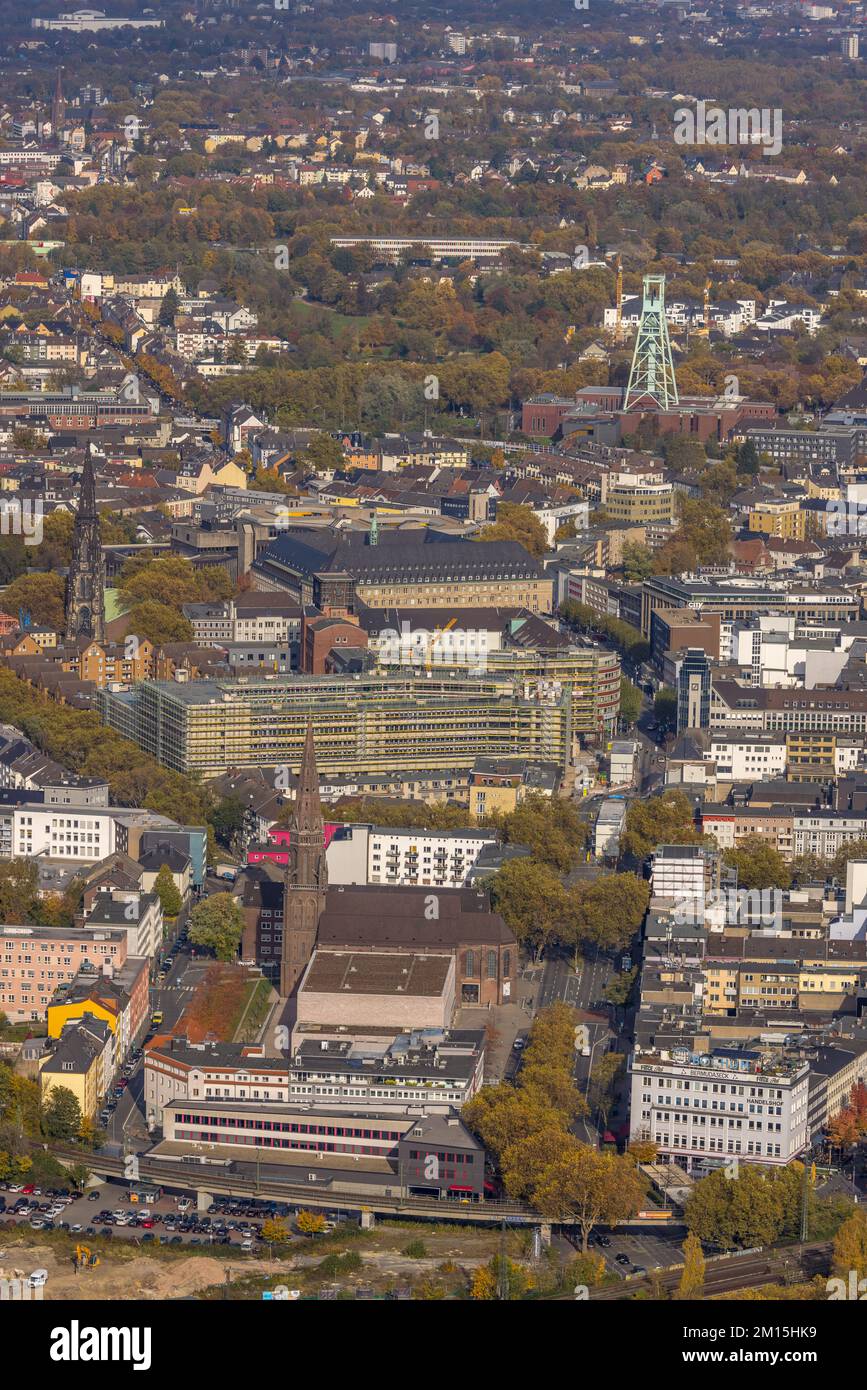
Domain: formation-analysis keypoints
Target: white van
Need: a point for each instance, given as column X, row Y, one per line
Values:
column 38, row 1279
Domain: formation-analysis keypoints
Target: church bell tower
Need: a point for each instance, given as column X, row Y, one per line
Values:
column 306, row 879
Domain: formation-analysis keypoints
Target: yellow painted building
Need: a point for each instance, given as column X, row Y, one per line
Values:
column 783, row 519
column 61, row 1014
column 721, row 988
column 81, row 1062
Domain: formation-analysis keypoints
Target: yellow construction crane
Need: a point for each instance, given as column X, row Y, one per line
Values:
column 440, row 632
column 618, row 323
column 704, row 331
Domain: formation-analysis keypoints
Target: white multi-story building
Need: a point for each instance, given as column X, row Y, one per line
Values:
column 624, row 753
column 610, row 821
column 724, row 1104
column 138, row 914
column 678, row 871
column 442, row 858
column 741, row 757
column 465, row 248
column 84, row 834
column 777, row 650
column 432, row 1070
column 824, row 832
column 87, row 21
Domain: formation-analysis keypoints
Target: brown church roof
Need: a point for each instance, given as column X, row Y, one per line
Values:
column 371, row 916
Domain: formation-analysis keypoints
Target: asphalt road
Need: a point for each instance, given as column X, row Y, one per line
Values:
column 127, row 1124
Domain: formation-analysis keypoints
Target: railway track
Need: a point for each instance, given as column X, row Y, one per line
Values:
column 728, row 1275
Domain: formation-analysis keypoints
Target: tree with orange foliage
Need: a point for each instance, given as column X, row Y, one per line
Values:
column 858, row 1104
column 844, row 1131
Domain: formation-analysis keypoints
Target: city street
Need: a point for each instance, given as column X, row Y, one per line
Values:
column 127, row 1125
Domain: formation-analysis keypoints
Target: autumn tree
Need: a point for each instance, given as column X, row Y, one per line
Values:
column 19, row 879
column 275, row 1231
column 483, row 1287
column 532, row 901
column 550, row 827
column 517, row 523
column 850, row 1245
column 858, row 1105
column 606, row 912
column 172, row 581
column 692, row 1279
column 522, row 1124
column 310, row 1223
column 642, row 1151
column 587, row 1187
column 658, row 820
column 630, row 701
column 844, row 1130
column 41, row 595
column 758, row 864
column 159, row 623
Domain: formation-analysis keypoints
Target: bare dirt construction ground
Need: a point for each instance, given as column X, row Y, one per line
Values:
column 138, row 1277
column 128, row 1273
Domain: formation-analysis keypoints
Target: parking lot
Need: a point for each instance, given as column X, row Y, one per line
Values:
column 107, row 1210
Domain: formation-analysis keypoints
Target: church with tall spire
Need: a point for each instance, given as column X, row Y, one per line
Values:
column 58, row 107
column 306, row 882
column 85, row 583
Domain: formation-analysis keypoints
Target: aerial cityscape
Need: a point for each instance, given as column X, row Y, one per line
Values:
column 433, row 662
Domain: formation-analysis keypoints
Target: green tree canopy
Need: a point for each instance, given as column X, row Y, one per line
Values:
column 61, row 1114
column 217, row 922
column 168, row 892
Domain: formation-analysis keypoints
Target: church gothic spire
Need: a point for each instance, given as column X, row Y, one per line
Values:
column 85, row 583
